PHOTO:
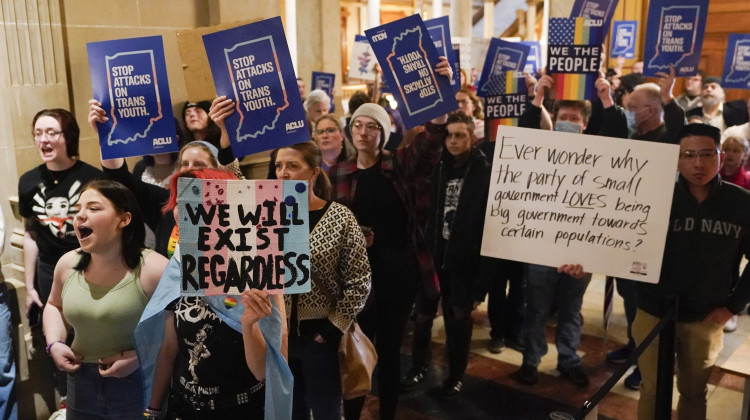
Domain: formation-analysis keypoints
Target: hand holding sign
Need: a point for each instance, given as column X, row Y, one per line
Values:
column 573, row 270
column 603, row 90
column 666, row 83
column 257, row 305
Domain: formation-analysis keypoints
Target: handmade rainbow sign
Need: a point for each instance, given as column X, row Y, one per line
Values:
column 238, row 235
column 574, row 57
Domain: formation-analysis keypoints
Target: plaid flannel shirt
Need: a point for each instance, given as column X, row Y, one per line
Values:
column 409, row 171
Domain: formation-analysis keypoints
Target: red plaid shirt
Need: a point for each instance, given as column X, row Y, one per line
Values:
column 409, row 173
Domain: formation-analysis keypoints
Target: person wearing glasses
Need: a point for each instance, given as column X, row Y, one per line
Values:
column 469, row 104
column 380, row 189
column 47, row 195
column 707, row 237
column 329, row 136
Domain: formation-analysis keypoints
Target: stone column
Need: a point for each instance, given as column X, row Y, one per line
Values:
column 489, row 18
column 373, row 13
column 521, row 19
column 461, row 18
column 437, row 9
column 290, row 28
column 531, row 21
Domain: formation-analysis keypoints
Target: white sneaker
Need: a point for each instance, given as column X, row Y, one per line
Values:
column 58, row 415
column 731, row 325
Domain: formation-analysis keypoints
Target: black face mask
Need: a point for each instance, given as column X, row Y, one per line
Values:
column 394, row 140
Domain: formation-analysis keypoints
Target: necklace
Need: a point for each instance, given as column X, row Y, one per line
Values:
column 58, row 176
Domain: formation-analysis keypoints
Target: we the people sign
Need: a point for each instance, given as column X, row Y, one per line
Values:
column 237, row 235
column 560, row 198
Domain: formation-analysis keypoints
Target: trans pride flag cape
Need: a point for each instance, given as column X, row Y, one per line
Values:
column 149, row 332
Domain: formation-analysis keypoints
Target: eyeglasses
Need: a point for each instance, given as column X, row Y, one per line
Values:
column 50, row 133
column 329, row 130
column 371, row 128
column 700, row 154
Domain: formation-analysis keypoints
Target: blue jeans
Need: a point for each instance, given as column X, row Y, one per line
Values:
column 91, row 396
column 8, row 406
column 544, row 286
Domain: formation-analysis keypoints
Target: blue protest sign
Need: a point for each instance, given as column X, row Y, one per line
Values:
column 737, row 62
column 251, row 65
column 598, row 13
column 440, row 32
column 624, row 33
column 674, row 35
column 534, row 60
column 408, row 59
column 324, row 81
column 502, row 56
column 129, row 78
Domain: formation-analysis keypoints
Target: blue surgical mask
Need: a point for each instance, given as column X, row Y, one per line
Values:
column 632, row 123
column 568, row 127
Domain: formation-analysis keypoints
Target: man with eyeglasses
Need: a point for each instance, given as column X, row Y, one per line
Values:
column 707, row 237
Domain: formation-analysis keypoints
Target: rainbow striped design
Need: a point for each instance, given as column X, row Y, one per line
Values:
column 230, row 302
column 574, row 86
column 514, row 84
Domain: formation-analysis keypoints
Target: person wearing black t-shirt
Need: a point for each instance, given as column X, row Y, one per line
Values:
column 47, row 196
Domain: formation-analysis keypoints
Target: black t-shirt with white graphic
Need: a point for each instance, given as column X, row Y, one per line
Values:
column 452, row 193
column 47, row 200
column 211, row 355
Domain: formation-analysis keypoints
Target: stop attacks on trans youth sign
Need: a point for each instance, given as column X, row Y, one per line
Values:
column 674, row 35
column 251, row 65
column 129, row 79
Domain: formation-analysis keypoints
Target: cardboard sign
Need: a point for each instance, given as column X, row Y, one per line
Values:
column 574, row 58
column 598, row 13
column 624, row 34
column 408, row 59
column 737, row 62
column 251, row 65
column 129, row 78
column 560, row 198
column 238, row 235
column 534, row 60
column 324, row 81
column 440, row 32
column 506, row 108
column 502, row 57
column 674, row 35
column 362, row 60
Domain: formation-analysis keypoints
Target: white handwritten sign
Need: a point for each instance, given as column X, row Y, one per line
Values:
column 559, row 198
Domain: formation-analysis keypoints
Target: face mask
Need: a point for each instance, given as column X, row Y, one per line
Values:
column 632, row 123
column 568, row 127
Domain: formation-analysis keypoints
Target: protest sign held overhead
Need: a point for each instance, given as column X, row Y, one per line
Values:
column 737, row 62
column 674, row 35
column 597, row 13
column 129, row 78
column 502, row 57
column 505, row 108
column 250, row 64
column 238, row 235
column 408, row 58
column 440, row 32
column 362, row 60
column 574, row 58
column 624, row 34
column 560, row 198
column 534, row 59
column 324, row 81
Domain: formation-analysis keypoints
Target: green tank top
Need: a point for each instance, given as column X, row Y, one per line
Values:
column 103, row 317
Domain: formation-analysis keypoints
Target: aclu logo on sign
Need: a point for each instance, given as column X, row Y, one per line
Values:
column 379, row 36
column 162, row 141
column 291, row 126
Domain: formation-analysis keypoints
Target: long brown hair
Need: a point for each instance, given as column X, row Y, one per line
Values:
column 312, row 156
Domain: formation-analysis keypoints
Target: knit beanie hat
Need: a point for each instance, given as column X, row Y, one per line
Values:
column 377, row 113
column 204, row 105
column 211, row 147
column 712, row 79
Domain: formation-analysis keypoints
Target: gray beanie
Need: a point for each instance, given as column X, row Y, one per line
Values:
column 211, row 147
column 377, row 113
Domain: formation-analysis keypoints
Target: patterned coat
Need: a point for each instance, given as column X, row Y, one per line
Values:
column 338, row 259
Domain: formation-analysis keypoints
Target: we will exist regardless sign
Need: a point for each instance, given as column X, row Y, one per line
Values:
column 560, row 198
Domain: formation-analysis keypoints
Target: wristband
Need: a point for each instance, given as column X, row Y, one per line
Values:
column 49, row 346
column 151, row 414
